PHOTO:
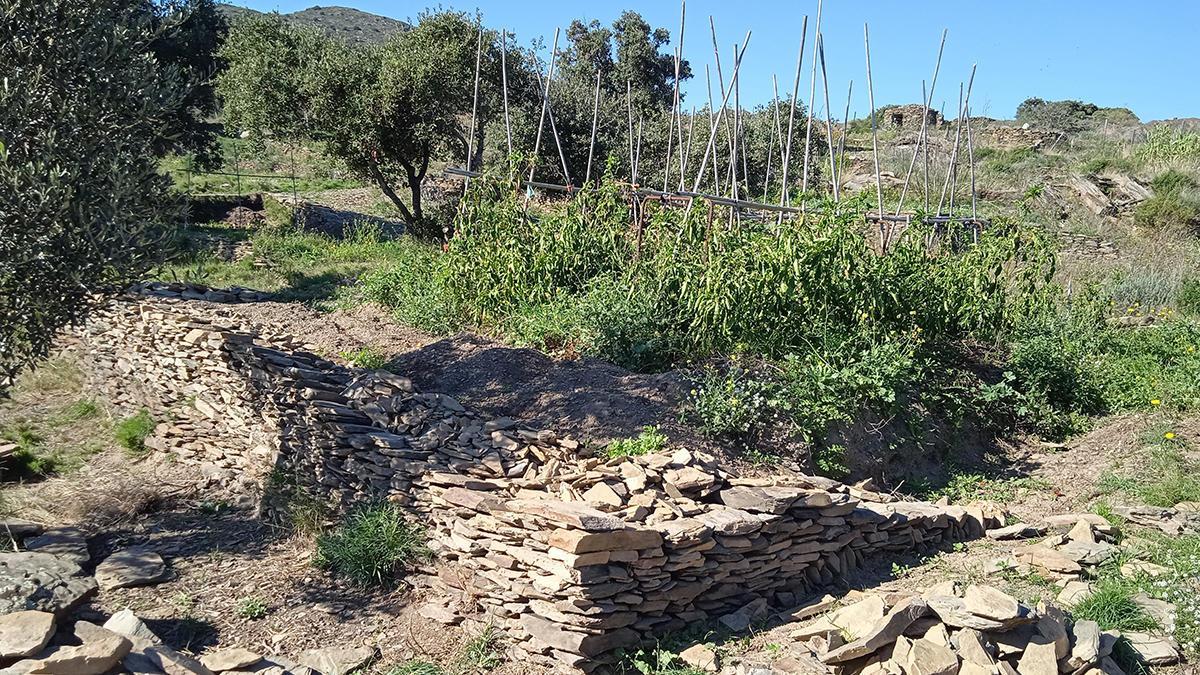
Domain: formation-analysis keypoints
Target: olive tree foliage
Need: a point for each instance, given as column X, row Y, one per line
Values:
column 86, row 108
column 389, row 111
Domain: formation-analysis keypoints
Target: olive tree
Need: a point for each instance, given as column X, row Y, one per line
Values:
column 387, row 111
column 86, row 109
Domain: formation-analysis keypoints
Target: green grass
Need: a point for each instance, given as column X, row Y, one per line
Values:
column 967, row 487
column 295, row 265
column 1168, row 475
column 372, row 545
column 1111, row 605
column 649, row 441
column 367, row 358
column 131, row 433
column 55, row 426
column 481, row 654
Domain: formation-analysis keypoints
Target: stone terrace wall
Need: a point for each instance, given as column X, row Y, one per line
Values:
column 573, row 556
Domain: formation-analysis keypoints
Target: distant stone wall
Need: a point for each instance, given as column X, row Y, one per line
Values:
column 573, row 556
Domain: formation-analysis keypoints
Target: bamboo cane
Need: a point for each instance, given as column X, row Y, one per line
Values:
column 924, row 125
column 595, row 122
column 833, row 177
column 708, row 151
column 504, row 87
column 845, row 128
column 874, row 125
column 784, row 198
column 963, row 102
column 812, row 101
column 474, row 105
column 537, row 142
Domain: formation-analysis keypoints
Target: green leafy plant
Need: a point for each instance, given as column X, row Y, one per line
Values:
column 251, row 608
column 649, row 441
column 131, row 433
column 372, row 545
column 367, row 358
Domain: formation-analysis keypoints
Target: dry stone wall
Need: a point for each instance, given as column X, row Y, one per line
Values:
column 574, row 556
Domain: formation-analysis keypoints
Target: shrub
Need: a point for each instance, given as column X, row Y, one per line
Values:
column 131, row 433
column 1188, row 297
column 1167, row 210
column 732, row 404
column 84, row 120
column 372, row 545
column 647, row 442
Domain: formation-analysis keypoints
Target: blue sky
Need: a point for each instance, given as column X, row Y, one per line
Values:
column 1113, row 53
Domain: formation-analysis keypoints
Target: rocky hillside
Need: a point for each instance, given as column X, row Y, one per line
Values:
column 352, row 25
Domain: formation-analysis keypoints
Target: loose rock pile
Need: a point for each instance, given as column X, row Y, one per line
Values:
column 574, row 555
column 954, row 628
column 44, row 582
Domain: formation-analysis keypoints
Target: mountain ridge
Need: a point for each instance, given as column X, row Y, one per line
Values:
column 344, row 23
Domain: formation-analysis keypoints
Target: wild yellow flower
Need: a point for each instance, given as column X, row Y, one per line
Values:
column 1155, row 401
column 1169, row 435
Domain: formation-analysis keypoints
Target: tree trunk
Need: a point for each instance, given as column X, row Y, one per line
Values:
column 388, row 191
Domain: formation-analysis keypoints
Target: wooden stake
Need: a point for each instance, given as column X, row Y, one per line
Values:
column 833, row 177
column 504, row 87
column 845, row 128
column 629, row 109
column 963, row 103
column 874, row 125
column 537, row 142
column 953, row 154
column 474, row 105
column 971, row 160
column 708, row 151
column 687, row 153
column 712, row 119
column 595, row 122
column 784, row 197
column 812, row 101
column 925, row 101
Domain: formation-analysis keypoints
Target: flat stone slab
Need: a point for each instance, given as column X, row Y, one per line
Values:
column 336, row 661
column 20, row 529
column 25, row 633
column 98, row 652
column 134, row 566
column 64, row 542
column 42, row 582
column 235, row 658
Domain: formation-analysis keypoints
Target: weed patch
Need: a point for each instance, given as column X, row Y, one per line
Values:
column 251, row 608
column 131, row 433
column 645, row 443
column 372, row 545
column 1112, row 606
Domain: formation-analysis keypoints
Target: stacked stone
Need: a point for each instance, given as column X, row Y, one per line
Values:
column 577, row 583
column 182, row 291
column 576, row 555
